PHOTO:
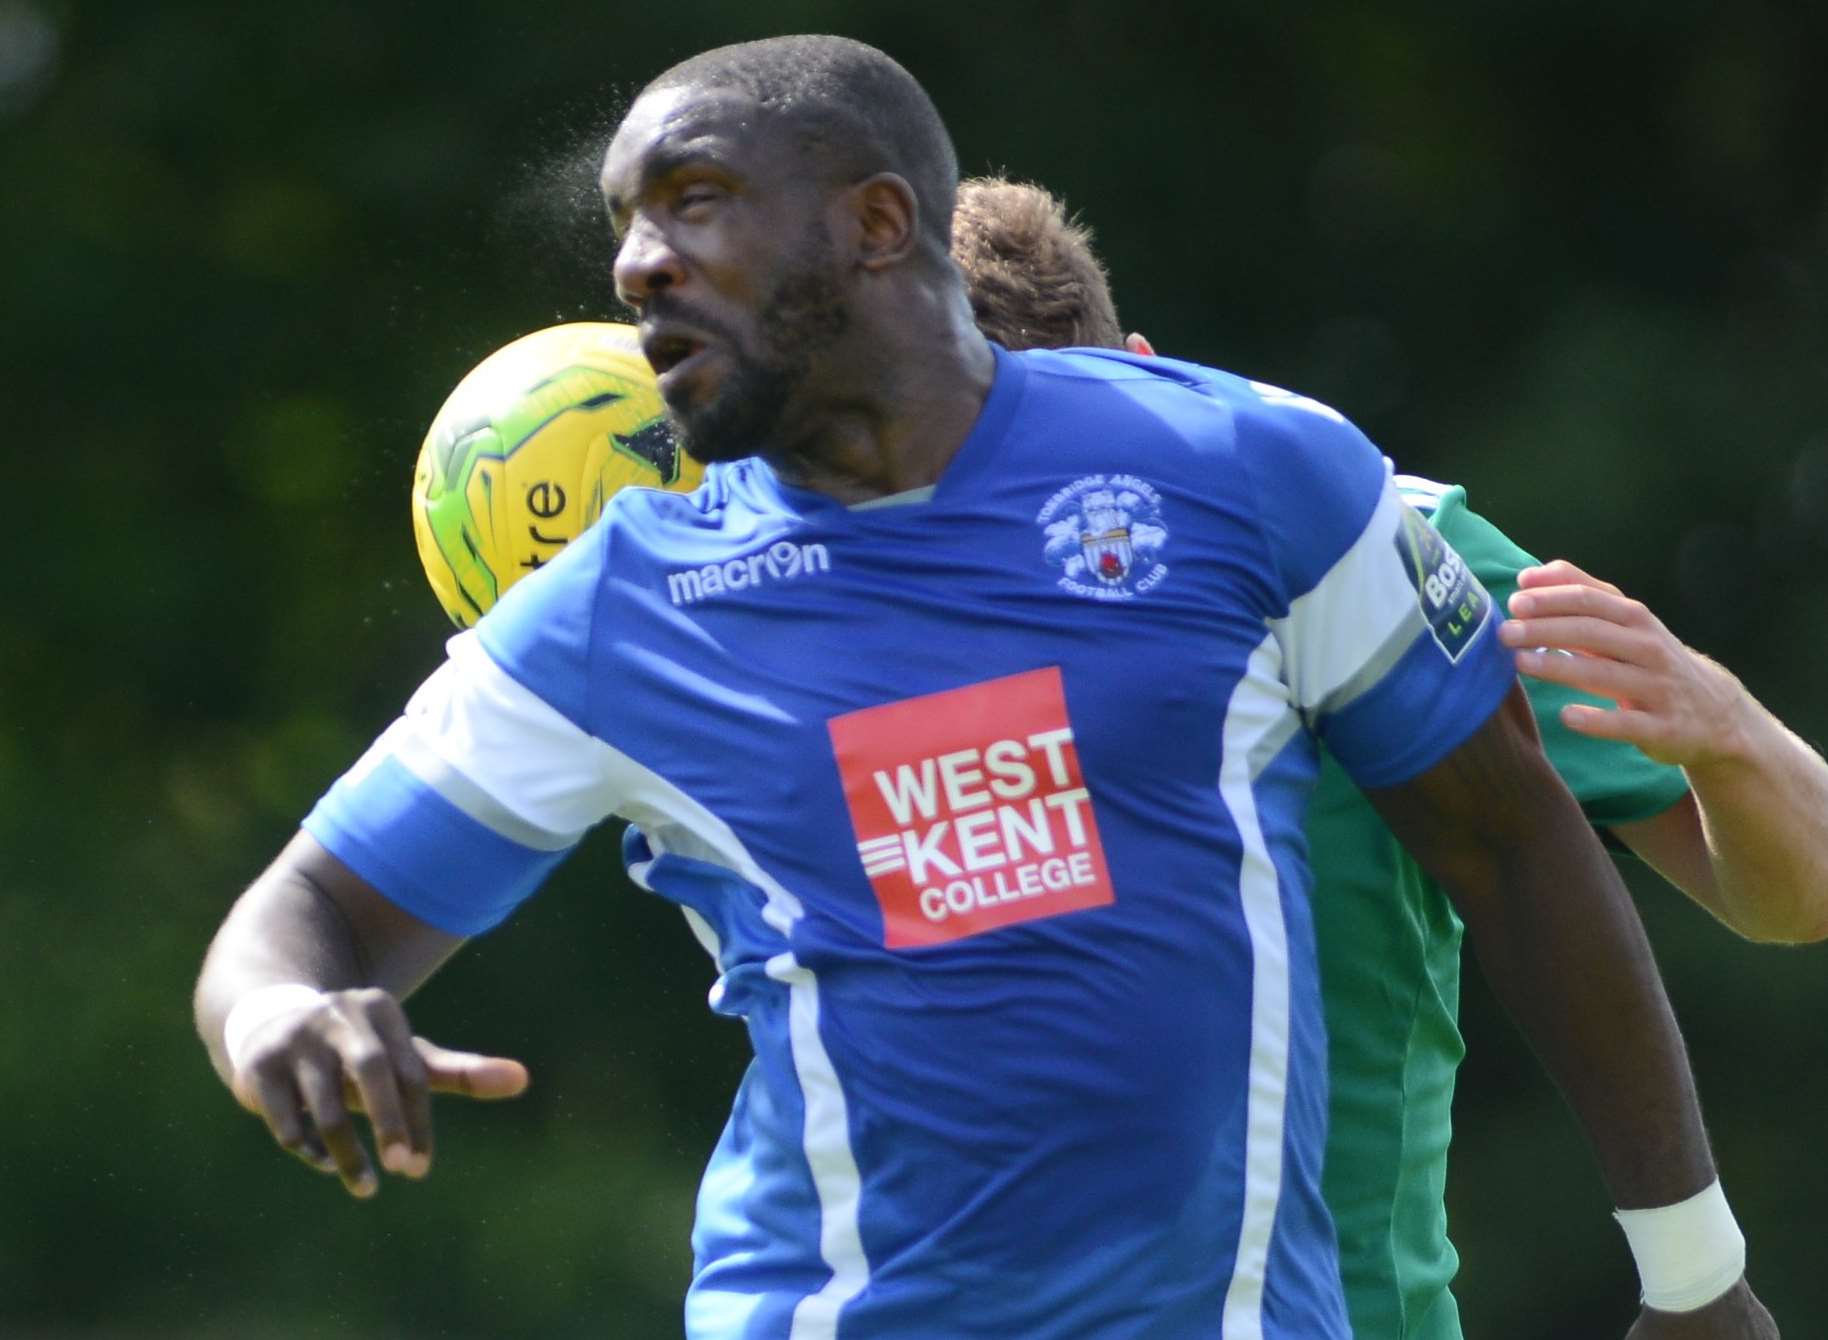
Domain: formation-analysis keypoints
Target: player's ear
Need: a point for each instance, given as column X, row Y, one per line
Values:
column 887, row 220
column 1136, row 344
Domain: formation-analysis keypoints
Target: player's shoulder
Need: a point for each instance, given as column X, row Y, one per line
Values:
column 638, row 508
column 641, row 525
column 546, row 630
column 1113, row 379
column 1493, row 555
column 1150, row 380
column 1177, row 414
column 1209, row 407
column 1297, row 447
column 1292, row 467
column 1438, row 501
column 1259, row 414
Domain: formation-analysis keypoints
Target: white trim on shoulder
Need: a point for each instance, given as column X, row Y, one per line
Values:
column 1347, row 631
column 1418, row 486
column 514, row 763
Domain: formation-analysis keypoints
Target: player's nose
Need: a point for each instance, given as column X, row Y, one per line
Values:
column 645, row 262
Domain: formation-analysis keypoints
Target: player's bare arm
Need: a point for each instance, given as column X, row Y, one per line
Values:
column 317, row 962
column 1750, row 844
column 1539, row 896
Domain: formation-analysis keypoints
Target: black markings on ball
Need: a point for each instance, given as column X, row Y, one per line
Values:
column 653, row 443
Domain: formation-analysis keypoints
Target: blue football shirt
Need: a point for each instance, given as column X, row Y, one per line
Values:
column 989, row 808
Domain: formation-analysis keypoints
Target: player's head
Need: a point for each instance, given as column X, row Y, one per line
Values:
column 1033, row 279
column 771, row 198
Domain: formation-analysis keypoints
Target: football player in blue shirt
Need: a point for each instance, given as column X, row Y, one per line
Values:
column 1687, row 770
column 976, row 750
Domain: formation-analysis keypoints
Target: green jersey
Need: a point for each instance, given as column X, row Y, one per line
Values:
column 1390, row 979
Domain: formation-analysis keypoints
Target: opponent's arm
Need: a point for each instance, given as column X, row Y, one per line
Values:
column 1563, row 948
column 1751, row 845
column 306, row 1058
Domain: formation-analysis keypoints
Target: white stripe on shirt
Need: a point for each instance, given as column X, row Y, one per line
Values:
column 1258, row 710
column 511, row 761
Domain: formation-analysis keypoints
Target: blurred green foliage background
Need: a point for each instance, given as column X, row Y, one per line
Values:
column 1573, row 255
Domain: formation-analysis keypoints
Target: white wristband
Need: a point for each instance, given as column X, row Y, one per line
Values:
column 1689, row 1253
column 258, row 1008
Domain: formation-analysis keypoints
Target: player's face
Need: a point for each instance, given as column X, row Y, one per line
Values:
column 726, row 255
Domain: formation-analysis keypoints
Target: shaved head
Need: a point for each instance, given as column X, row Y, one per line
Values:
column 783, row 217
column 854, row 110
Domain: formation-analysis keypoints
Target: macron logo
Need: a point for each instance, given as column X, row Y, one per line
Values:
column 781, row 561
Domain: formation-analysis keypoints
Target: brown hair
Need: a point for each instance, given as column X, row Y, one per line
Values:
column 1034, row 280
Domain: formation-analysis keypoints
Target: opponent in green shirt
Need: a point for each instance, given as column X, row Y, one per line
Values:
column 1390, row 976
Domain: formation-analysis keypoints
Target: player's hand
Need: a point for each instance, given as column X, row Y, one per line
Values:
column 306, row 1071
column 1675, row 704
column 1735, row 1315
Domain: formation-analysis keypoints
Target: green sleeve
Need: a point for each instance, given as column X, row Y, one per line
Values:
column 1614, row 782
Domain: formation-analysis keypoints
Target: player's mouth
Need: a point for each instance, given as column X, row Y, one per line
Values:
column 673, row 355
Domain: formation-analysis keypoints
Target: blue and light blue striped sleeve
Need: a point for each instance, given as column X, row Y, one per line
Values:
column 467, row 802
column 1389, row 644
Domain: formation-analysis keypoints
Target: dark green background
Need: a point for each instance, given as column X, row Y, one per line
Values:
column 1572, row 254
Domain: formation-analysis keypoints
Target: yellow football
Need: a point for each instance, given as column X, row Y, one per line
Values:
column 525, row 452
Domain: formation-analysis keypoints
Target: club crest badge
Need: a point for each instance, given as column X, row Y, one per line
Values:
column 1105, row 534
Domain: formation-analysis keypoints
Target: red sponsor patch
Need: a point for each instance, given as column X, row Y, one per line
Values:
column 970, row 809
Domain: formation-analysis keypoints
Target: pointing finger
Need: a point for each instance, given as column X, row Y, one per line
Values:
column 470, row 1074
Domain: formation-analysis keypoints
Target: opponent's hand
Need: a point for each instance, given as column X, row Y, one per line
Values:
column 1735, row 1315
column 307, row 1070
column 1675, row 704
